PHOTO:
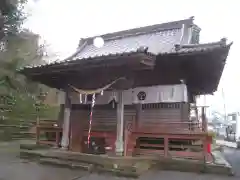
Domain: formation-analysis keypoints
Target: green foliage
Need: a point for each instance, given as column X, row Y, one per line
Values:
column 12, row 16
column 212, row 134
column 26, row 106
column 20, row 98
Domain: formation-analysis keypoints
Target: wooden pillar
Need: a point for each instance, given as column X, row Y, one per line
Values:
column 204, row 120
column 61, row 115
column 205, row 140
column 37, row 134
column 66, row 122
column 197, row 115
column 138, row 116
column 126, row 140
column 166, row 146
column 38, row 130
column 120, row 125
column 57, row 139
column 204, row 153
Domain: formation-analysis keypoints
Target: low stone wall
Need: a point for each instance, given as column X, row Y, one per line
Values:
column 126, row 166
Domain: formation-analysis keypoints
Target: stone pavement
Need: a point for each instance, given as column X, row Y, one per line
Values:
column 233, row 156
column 220, row 159
column 12, row 168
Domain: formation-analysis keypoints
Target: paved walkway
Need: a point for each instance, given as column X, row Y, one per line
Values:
column 226, row 143
column 233, row 156
column 12, row 168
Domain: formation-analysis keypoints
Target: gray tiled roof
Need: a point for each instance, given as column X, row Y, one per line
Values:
column 159, row 38
column 157, row 42
column 156, row 39
column 141, row 49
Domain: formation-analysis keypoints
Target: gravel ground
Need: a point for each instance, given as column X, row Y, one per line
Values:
column 13, row 168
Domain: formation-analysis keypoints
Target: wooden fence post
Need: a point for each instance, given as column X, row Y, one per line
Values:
column 204, row 120
column 37, row 135
column 57, row 138
column 166, row 148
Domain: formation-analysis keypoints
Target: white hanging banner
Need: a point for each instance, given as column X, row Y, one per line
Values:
column 157, row 94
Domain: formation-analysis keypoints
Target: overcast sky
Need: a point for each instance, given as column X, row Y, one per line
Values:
column 63, row 22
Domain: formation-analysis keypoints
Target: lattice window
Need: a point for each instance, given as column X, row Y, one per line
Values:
column 162, row 106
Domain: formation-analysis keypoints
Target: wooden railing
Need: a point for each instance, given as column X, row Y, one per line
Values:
column 171, row 127
column 45, row 127
column 166, row 132
column 134, row 146
column 191, row 138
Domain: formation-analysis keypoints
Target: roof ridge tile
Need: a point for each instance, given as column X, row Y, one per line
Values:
column 145, row 29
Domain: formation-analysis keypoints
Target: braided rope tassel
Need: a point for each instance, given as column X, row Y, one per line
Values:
column 90, row 121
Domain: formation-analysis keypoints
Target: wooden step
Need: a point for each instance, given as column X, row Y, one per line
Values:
column 65, row 163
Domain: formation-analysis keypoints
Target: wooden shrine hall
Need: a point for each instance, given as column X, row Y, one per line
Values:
column 136, row 95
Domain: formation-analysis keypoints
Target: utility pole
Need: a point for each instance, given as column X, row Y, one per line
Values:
column 224, row 106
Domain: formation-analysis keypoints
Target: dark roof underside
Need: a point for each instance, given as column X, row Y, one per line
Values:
column 201, row 67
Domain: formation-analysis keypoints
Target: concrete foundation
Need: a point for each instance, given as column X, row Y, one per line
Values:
column 123, row 166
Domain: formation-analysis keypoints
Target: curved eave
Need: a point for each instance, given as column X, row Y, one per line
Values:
column 212, row 76
column 140, row 56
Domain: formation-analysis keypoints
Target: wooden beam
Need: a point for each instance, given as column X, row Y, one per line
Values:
column 66, row 122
